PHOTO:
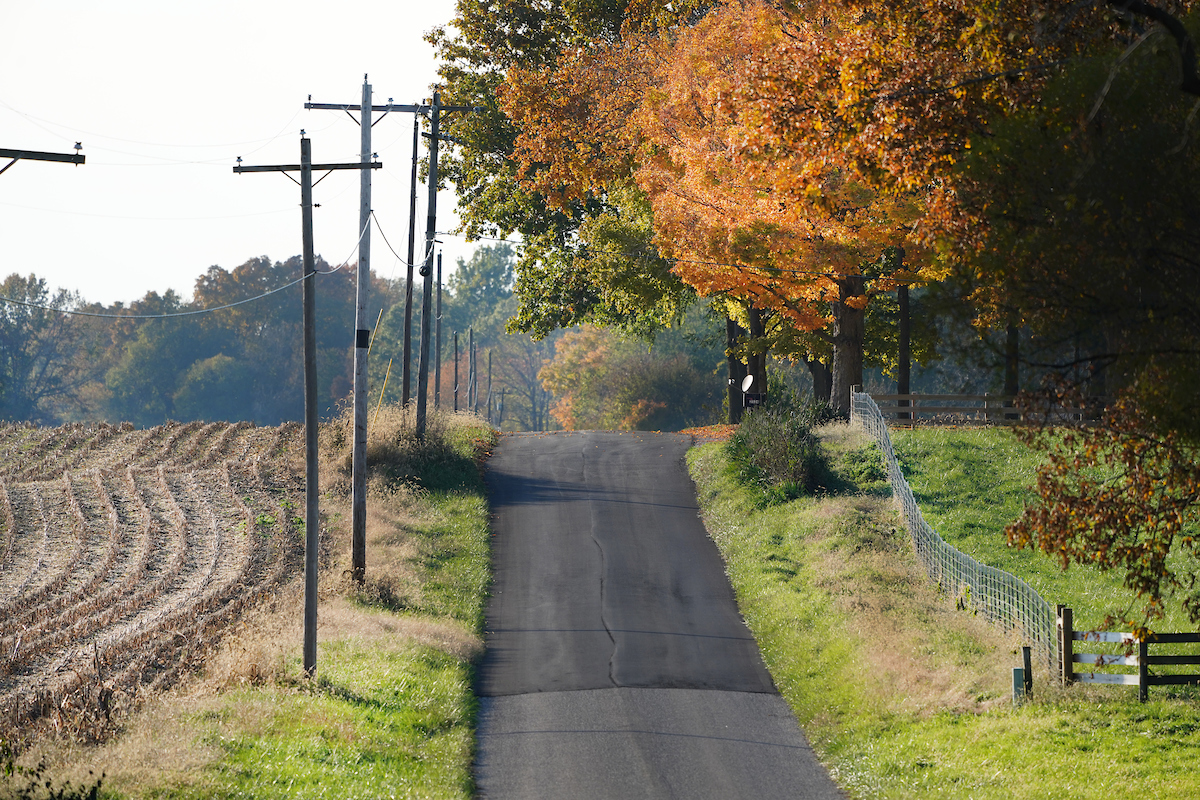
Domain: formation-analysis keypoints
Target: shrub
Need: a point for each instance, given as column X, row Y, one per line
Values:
column 776, row 451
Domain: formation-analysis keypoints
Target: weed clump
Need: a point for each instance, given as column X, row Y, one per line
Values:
column 397, row 456
column 864, row 465
column 32, row 783
column 776, row 452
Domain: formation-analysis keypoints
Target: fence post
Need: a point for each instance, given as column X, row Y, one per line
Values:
column 1066, row 644
column 1027, row 659
column 1143, row 672
column 856, row 388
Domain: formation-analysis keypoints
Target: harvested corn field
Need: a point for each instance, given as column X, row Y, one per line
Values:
column 124, row 554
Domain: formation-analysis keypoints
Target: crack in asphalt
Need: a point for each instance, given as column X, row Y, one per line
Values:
column 603, row 584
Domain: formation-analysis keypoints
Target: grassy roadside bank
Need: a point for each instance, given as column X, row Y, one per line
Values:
column 970, row 483
column 391, row 712
column 902, row 696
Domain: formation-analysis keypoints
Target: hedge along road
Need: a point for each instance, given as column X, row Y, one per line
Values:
column 617, row 664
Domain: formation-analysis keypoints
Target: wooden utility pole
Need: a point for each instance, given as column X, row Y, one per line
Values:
column 471, row 399
column 437, row 340
column 362, row 334
column 489, row 388
column 408, row 290
column 435, row 120
column 38, row 155
column 435, row 136
column 456, row 371
column 436, row 110
column 904, row 356
column 312, row 516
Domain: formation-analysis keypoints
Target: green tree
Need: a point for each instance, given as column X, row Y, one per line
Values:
column 565, row 276
column 147, row 373
column 44, row 354
column 216, row 388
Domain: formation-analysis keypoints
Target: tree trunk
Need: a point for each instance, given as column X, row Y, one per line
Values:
column 756, row 363
column 904, row 356
column 849, row 330
column 1011, row 359
column 822, row 379
column 1012, row 383
column 737, row 370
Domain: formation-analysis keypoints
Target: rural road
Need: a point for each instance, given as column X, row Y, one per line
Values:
column 617, row 664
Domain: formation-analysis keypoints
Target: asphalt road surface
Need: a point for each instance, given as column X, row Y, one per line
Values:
column 617, row 664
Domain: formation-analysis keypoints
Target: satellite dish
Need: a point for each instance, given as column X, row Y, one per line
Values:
column 747, row 382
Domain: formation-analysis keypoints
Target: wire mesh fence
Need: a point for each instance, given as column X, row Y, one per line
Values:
column 1001, row 597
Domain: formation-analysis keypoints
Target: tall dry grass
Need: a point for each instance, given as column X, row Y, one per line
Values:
column 396, row 455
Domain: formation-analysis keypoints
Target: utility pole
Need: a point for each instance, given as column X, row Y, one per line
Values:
column 489, row 388
column 312, row 517
column 362, row 334
column 37, row 155
column 471, row 370
column 437, row 341
column 408, row 290
column 435, row 136
column 456, row 372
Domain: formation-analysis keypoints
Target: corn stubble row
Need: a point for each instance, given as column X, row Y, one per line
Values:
column 120, row 572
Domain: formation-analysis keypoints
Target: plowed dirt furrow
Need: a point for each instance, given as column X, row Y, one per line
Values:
column 81, row 457
column 41, row 465
column 121, row 602
column 123, row 567
column 32, row 534
column 284, row 550
column 99, row 563
column 153, row 442
column 9, row 524
column 13, row 450
column 70, row 544
column 206, row 565
column 118, row 451
column 286, row 437
column 224, row 446
column 176, row 628
column 198, row 445
column 175, row 444
column 28, row 443
column 68, row 453
column 252, row 443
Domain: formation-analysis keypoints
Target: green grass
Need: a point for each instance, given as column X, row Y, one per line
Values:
column 901, row 695
column 971, row 483
column 379, row 722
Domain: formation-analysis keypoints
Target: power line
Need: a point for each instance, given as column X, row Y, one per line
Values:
column 379, row 228
column 36, row 121
column 155, row 219
column 78, row 313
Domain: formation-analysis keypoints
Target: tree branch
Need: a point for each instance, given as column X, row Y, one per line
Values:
column 1188, row 81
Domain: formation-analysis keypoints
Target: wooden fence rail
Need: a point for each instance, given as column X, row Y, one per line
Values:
column 1068, row 658
column 984, row 409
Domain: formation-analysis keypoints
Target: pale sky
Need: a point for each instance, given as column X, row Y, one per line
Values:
column 164, row 97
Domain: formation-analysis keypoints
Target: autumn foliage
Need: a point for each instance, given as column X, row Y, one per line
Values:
column 1121, row 495
column 798, row 160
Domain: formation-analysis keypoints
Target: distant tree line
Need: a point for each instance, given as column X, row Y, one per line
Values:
column 155, row 359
